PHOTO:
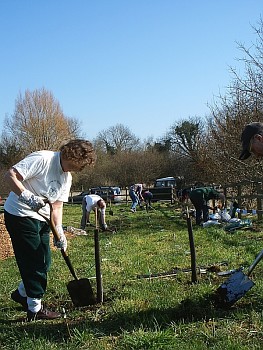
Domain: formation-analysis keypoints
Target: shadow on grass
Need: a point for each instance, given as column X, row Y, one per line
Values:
column 188, row 311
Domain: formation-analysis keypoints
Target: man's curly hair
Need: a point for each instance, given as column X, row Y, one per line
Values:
column 80, row 151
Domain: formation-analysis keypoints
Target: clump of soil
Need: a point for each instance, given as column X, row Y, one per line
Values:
column 6, row 249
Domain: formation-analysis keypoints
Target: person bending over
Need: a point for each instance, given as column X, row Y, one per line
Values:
column 200, row 198
column 89, row 203
column 42, row 175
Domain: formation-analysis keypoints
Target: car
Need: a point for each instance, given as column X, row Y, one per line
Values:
column 77, row 199
column 108, row 193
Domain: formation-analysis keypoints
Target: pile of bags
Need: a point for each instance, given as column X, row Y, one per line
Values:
column 231, row 224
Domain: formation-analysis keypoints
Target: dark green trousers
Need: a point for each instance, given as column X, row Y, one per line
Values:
column 30, row 240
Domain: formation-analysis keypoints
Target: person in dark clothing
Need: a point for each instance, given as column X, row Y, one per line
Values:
column 147, row 196
column 200, row 198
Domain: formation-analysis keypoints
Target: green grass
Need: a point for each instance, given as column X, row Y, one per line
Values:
column 142, row 313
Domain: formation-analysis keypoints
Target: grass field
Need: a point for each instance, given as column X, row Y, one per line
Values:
column 137, row 312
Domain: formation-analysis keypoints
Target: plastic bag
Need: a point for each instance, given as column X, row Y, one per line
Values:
column 225, row 216
column 237, row 224
column 215, row 216
column 211, row 223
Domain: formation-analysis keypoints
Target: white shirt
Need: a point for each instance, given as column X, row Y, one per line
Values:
column 42, row 175
column 91, row 202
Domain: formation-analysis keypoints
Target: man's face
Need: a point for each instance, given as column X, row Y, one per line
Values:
column 70, row 165
column 101, row 204
column 256, row 146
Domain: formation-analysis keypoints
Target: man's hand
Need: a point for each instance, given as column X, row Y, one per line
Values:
column 104, row 227
column 34, row 202
column 62, row 242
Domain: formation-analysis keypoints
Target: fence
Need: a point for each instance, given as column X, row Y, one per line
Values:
column 248, row 195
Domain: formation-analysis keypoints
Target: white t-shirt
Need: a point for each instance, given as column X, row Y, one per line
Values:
column 91, row 202
column 42, row 175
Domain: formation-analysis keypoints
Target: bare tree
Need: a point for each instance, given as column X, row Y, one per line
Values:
column 251, row 85
column 10, row 152
column 116, row 139
column 39, row 122
column 185, row 137
column 242, row 104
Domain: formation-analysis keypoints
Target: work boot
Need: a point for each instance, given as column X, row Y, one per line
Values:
column 42, row 314
column 17, row 297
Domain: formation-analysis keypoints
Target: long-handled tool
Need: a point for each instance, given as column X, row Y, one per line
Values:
column 236, row 286
column 80, row 290
column 110, row 211
column 97, row 260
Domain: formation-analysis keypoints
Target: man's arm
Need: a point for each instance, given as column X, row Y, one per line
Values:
column 14, row 180
column 57, row 212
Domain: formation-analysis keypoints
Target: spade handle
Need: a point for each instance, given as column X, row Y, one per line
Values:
column 255, row 262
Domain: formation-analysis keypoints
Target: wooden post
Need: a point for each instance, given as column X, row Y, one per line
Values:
column 192, row 246
column 173, row 195
column 239, row 199
column 259, row 200
column 97, row 261
column 225, row 194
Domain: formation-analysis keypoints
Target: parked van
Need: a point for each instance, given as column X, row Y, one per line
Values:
column 168, row 181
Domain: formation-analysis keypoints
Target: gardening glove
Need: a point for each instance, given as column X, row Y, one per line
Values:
column 34, row 202
column 104, row 227
column 62, row 242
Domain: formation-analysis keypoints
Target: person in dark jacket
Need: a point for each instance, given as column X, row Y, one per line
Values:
column 200, row 198
column 148, row 196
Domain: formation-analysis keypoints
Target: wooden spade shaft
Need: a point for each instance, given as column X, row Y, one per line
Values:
column 57, row 237
column 80, row 290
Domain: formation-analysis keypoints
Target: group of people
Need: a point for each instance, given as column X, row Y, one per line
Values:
column 140, row 196
column 45, row 176
column 93, row 202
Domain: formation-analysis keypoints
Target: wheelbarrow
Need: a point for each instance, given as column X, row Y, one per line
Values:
column 80, row 290
column 236, row 286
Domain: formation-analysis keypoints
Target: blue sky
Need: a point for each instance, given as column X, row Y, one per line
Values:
column 142, row 63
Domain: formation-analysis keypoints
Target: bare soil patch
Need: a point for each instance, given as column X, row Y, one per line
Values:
column 6, row 249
